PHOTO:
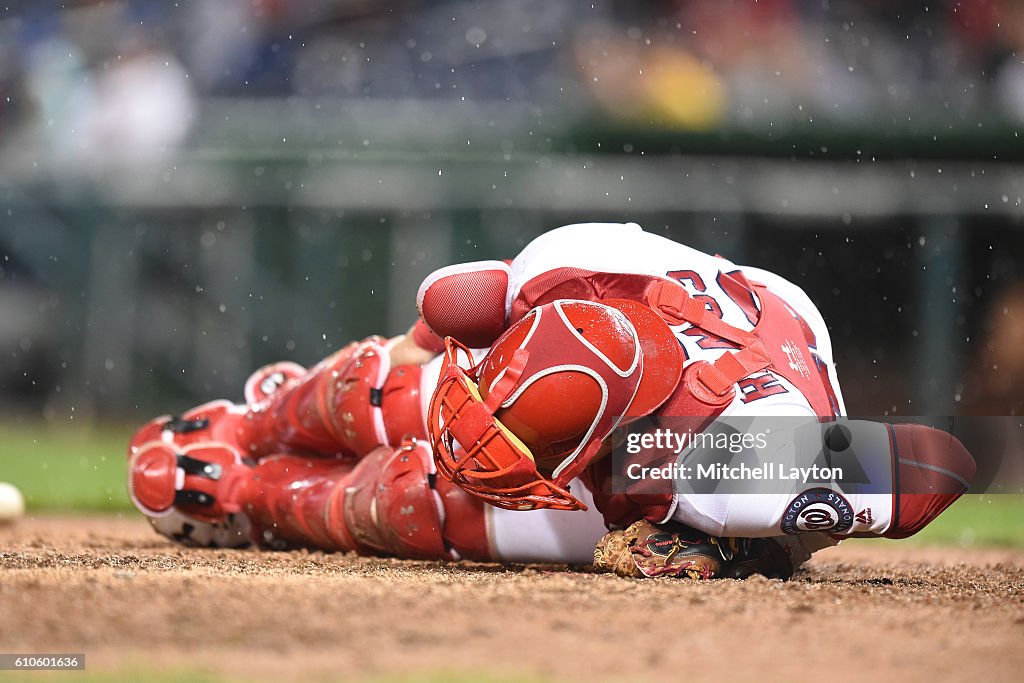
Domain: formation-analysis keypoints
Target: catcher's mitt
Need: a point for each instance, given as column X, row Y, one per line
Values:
column 646, row 550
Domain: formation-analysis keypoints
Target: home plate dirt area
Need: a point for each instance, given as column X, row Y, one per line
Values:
column 111, row 588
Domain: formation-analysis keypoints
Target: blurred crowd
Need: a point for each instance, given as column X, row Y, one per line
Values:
column 106, row 77
column 89, row 84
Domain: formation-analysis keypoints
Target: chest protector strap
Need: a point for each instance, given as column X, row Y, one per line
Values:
column 713, row 381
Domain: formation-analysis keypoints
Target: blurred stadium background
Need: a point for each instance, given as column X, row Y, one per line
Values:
column 192, row 189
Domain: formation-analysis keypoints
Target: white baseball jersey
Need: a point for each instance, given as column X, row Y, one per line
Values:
column 610, row 248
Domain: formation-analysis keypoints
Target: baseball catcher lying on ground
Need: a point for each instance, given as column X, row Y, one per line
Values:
column 498, row 449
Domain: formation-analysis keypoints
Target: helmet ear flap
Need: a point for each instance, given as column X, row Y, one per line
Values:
column 662, row 357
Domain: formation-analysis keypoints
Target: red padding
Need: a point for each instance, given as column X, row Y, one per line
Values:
column 934, row 470
column 152, row 475
column 466, row 302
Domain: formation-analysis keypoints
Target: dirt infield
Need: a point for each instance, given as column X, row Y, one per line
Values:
column 114, row 590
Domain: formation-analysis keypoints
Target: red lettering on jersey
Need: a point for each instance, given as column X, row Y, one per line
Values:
column 759, row 386
column 695, row 280
column 697, row 284
column 709, row 303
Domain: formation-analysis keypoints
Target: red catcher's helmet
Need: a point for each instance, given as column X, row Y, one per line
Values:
column 516, row 428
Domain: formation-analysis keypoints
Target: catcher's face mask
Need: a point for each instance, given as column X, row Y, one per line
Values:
column 473, row 449
column 516, row 428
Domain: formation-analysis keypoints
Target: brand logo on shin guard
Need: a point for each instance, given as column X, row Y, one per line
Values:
column 817, row 509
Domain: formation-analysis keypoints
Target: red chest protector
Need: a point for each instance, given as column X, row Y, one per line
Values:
column 781, row 343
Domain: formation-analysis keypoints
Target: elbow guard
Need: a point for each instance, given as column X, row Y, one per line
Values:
column 467, row 301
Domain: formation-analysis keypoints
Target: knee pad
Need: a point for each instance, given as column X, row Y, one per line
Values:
column 372, row 404
column 394, row 504
column 389, row 506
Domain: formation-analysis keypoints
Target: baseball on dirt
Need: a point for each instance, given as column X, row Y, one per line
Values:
column 12, row 505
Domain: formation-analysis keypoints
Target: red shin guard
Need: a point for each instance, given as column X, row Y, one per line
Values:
column 384, row 504
column 349, row 404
